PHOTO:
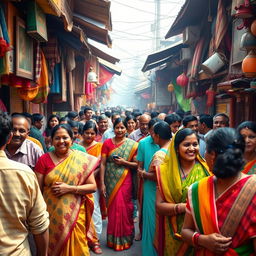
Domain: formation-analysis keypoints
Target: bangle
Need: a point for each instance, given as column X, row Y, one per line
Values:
column 176, row 209
column 195, row 239
column 76, row 192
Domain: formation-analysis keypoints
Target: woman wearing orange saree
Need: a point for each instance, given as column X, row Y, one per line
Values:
column 221, row 209
column 66, row 179
column 117, row 160
column 248, row 130
column 94, row 148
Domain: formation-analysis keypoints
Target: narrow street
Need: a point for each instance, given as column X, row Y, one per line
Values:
column 135, row 250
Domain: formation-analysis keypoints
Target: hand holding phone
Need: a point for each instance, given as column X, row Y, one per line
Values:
column 115, row 156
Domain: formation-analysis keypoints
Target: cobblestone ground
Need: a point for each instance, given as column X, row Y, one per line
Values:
column 135, row 250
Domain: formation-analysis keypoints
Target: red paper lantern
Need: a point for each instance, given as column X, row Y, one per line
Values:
column 182, row 80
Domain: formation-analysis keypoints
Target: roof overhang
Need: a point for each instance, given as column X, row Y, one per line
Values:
column 98, row 10
column 93, row 30
column 142, row 86
column 112, row 67
column 191, row 13
column 160, row 57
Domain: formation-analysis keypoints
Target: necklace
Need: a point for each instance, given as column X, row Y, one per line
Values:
column 183, row 173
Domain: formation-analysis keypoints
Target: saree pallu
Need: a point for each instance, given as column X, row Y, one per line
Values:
column 210, row 214
column 250, row 168
column 118, row 180
column 70, row 214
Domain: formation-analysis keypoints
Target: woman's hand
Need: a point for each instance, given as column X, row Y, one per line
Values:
column 215, row 242
column 103, row 189
column 60, row 188
column 140, row 173
column 119, row 161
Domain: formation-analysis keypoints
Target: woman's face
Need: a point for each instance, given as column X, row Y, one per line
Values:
column 131, row 125
column 89, row 135
column 53, row 122
column 188, row 148
column 120, row 130
column 250, row 139
column 61, row 141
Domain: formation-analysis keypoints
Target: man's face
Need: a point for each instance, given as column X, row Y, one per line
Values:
column 39, row 124
column 103, row 125
column 175, row 126
column 20, row 131
column 219, row 122
column 113, row 119
column 88, row 114
column 193, row 125
column 201, row 127
column 144, row 125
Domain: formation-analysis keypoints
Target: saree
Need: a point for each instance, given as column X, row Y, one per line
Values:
column 70, row 214
column 174, row 190
column 209, row 215
column 149, row 208
column 118, row 180
column 250, row 168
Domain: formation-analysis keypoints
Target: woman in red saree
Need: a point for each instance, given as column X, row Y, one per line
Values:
column 66, row 179
column 248, row 130
column 117, row 160
column 221, row 209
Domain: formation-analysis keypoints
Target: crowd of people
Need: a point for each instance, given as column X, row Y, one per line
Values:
column 187, row 181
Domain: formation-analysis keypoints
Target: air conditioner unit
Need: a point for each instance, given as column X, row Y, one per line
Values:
column 191, row 35
column 185, row 54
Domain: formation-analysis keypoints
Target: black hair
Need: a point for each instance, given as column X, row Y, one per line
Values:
column 153, row 121
column 37, row 117
column 73, row 124
column 80, row 128
column 172, row 118
column 90, row 125
column 86, row 109
column 50, row 118
column 119, row 120
column 128, row 118
column 5, row 128
column 81, row 113
column 28, row 115
column 67, row 127
column 181, row 135
column 64, row 118
column 154, row 114
column 207, row 120
column 188, row 119
column 114, row 114
column 247, row 124
column 136, row 114
column 228, row 144
column 108, row 114
column 162, row 129
column 72, row 114
column 180, row 112
column 223, row 115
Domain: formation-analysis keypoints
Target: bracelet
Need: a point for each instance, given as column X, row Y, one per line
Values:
column 176, row 209
column 195, row 239
column 76, row 192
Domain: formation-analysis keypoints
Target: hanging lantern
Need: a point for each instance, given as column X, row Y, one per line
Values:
column 249, row 64
column 182, row 80
column 92, row 76
column 28, row 94
column 170, row 87
column 253, row 28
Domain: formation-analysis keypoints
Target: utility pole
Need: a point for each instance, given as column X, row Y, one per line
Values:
column 157, row 24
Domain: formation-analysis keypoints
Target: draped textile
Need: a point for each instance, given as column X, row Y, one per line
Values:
column 209, row 215
column 174, row 190
column 250, row 168
column 118, row 180
column 70, row 214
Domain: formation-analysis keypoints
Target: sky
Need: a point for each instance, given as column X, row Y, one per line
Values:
column 133, row 37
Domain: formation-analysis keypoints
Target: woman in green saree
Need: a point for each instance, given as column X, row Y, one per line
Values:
column 182, row 167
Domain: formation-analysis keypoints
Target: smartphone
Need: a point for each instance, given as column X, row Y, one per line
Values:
column 115, row 156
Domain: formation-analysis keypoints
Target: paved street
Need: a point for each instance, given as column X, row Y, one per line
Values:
column 135, row 250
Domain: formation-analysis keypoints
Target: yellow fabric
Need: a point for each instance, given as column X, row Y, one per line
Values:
column 95, row 150
column 64, row 211
column 35, row 141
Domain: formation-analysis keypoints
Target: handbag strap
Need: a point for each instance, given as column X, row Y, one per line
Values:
column 239, row 207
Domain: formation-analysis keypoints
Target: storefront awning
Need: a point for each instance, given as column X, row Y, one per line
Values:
column 98, row 10
column 191, row 13
column 142, row 86
column 103, row 55
column 93, row 30
column 112, row 67
column 158, row 58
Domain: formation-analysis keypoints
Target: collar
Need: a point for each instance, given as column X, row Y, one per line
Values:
column 2, row 154
column 22, row 149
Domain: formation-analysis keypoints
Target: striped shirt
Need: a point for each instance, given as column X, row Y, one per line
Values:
column 22, row 207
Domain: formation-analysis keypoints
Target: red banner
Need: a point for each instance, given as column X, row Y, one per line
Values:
column 105, row 75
